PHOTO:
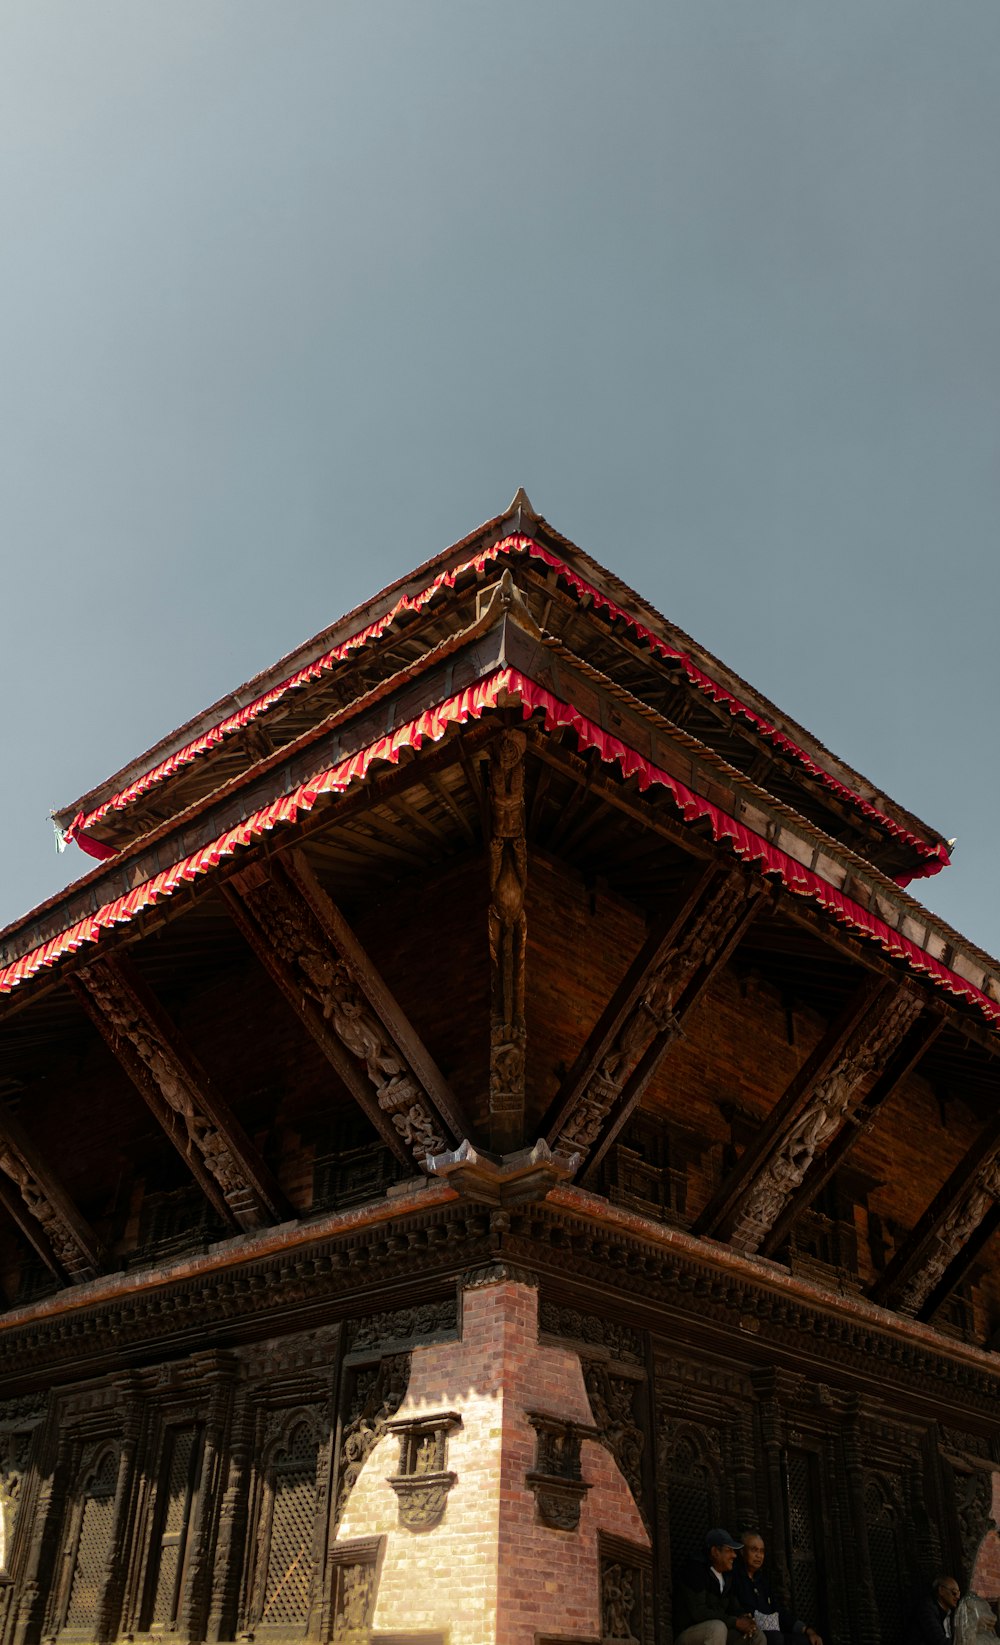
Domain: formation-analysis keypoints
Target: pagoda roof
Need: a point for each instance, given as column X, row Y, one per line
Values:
column 229, row 736
column 501, row 661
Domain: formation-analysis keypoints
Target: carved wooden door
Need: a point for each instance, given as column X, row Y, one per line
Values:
column 180, row 1481
column 88, row 1544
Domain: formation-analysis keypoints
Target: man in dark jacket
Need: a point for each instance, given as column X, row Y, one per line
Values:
column 752, row 1589
column 932, row 1620
column 706, row 1612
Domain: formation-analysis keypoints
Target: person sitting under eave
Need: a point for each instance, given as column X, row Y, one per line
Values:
column 752, row 1588
column 706, row 1609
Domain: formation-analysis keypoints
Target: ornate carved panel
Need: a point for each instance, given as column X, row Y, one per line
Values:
column 557, row 1477
column 949, row 1238
column 355, row 1589
column 613, row 1400
column 626, row 1578
column 374, row 1396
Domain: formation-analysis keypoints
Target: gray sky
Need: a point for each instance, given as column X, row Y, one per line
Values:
column 295, row 293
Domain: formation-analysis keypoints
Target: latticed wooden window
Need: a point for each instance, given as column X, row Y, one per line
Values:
column 288, row 1533
column 88, row 1547
column 693, row 1492
column 887, row 1547
column 804, row 1539
column 180, row 1480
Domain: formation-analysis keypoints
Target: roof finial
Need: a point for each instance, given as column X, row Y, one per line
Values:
column 520, row 511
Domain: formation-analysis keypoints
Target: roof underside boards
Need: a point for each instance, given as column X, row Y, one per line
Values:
column 278, row 706
column 503, row 665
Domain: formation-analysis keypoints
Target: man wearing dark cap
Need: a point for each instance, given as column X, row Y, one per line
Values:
column 752, row 1588
column 706, row 1611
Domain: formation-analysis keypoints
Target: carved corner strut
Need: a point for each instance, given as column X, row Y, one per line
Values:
column 508, row 868
column 423, row 1482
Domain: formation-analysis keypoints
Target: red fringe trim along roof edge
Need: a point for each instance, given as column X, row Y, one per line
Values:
column 935, row 856
column 432, row 725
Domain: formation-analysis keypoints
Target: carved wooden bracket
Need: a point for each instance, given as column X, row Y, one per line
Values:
column 423, row 1481
column 846, row 1054
column 557, row 1477
column 899, row 1066
column 42, row 1208
column 176, row 1088
column 508, row 865
column 311, row 953
column 824, row 1107
column 949, row 1223
column 667, row 977
column 516, row 1179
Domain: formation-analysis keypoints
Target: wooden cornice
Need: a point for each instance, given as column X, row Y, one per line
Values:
column 667, row 977
column 41, row 1207
column 812, row 1108
column 312, row 955
column 901, row 1064
column 923, row 1261
column 178, row 1092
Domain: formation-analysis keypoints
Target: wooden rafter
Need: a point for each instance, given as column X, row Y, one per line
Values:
column 41, row 1207
column 315, row 959
column 808, row 1114
column 175, row 1087
column 673, row 968
column 923, row 1261
column 963, row 1264
column 899, row 1067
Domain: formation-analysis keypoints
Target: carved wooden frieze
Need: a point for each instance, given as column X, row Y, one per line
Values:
column 809, row 1129
column 199, row 1124
column 327, row 989
column 423, row 1482
column 508, row 869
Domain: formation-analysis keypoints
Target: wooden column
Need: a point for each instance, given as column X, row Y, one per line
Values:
column 508, row 927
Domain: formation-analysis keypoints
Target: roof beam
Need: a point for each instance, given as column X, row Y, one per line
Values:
column 668, row 976
column 942, row 1233
column 312, row 955
column 812, row 1108
column 508, row 936
column 41, row 1207
column 962, row 1264
column 901, row 1064
column 178, row 1092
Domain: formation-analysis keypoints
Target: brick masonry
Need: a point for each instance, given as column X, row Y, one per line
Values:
column 491, row 1573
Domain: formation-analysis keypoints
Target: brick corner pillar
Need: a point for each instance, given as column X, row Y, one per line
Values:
column 984, row 1579
column 504, row 1564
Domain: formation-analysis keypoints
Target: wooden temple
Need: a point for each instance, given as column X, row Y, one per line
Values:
column 492, row 1111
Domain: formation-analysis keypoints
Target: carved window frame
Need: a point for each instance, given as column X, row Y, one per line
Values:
column 615, row 1553
column 275, row 1427
column 358, row 1554
column 559, row 1492
column 94, row 1457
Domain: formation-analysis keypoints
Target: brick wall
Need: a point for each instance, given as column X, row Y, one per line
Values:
column 490, row 1572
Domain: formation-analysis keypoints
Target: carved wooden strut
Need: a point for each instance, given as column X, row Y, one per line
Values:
column 315, row 959
column 508, row 867
column 42, row 1206
column 807, row 1131
column 644, row 1017
column 198, row 1122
